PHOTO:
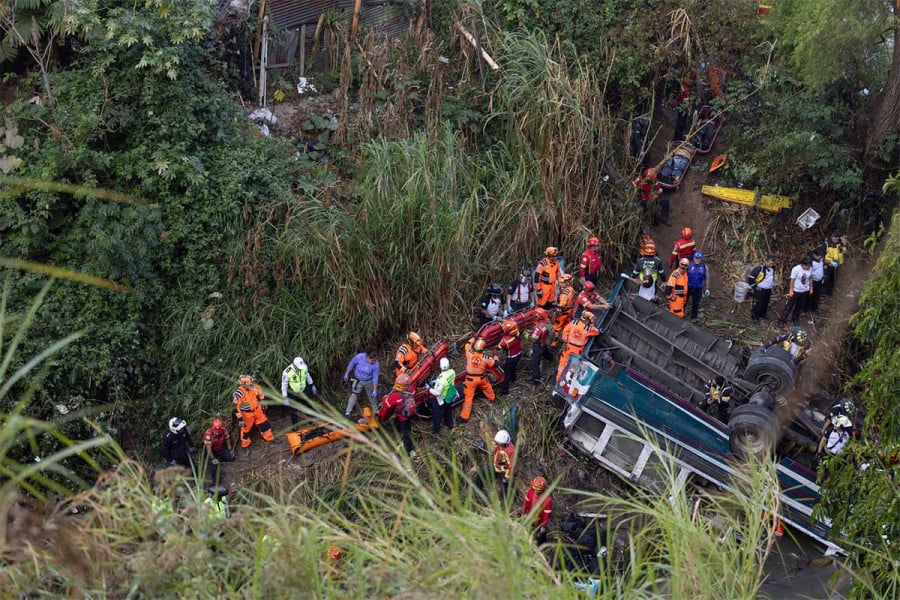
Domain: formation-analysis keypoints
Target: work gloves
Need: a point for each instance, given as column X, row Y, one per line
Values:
column 346, row 377
column 706, row 293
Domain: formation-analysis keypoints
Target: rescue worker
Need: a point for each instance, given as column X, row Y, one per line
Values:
column 331, row 564
column 504, row 459
column 834, row 248
column 409, row 353
column 511, row 344
column 176, row 446
column 591, row 261
column 649, row 263
column 565, row 303
column 536, row 499
column 795, row 343
column 761, row 280
column 295, row 379
column 545, row 277
column 676, row 288
column 698, row 283
column 401, row 404
column 646, row 286
column 650, row 191
column 215, row 506
column 362, row 373
column 576, row 336
column 817, row 274
column 589, row 299
column 491, row 305
column 218, row 447
column 684, row 247
column 798, row 292
column 442, row 393
column 249, row 411
column 540, row 344
column 521, row 292
column 476, row 377
column 835, row 436
column 717, row 399
column 845, row 407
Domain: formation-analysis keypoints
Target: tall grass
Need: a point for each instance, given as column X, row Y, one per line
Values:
column 407, row 530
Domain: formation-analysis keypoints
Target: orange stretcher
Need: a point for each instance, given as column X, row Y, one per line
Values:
column 323, row 433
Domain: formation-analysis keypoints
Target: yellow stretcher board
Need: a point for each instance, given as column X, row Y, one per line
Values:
column 770, row 202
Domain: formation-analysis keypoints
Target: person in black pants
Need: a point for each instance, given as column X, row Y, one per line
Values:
column 761, row 280
column 177, row 447
column 798, row 292
column 540, row 347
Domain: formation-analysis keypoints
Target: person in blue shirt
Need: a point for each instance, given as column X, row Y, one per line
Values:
column 698, row 283
column 362, row 373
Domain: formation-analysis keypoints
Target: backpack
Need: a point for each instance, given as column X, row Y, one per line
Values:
column 407, row 407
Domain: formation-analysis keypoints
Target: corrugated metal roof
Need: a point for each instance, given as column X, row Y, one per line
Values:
column 287, row 14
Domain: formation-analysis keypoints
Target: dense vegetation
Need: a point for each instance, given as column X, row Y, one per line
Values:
column 219, row 251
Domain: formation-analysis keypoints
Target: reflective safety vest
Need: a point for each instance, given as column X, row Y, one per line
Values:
column 297, row 378
column 577, row 334
column 793, row 348
column 215, row 509
column 566, row 298
column 446, row 380
column 834, row 253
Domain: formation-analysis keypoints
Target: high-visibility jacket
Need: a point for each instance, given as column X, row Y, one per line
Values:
column 295, row 380
column 504, row 460
column 215, row 509
column 591, row 263
column 247, row 399
column 545, row 276
column 648, row 265
column 762, row 273
column 834, row 253
column 716, row 393
column 444, row 388
column 566, row 299
column 684, row 248
column 477, row 363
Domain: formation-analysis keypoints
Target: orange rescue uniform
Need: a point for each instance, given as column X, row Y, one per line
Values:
column 566, row 303
column 576, row 336
column 476, row 379
column 545, row 277
column 407, row 357
column 676, row 292
column 249, row 412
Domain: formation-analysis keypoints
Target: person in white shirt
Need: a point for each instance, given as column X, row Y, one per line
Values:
column 798, row 292
column 762, row 280
column 835, row 437
column 818, row 277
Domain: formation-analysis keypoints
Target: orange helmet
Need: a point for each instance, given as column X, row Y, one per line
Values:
column 593, row 241
column 414, row 338
column 509, row 327
column 587, row 316
column 687, row 233
column 217, row 423
column 539, row 484
column 541, row 313
column 479, row 345
column 335, row 553
column 589, row 286
column 649, row 249
column 246, row 379
column 565, row 277
column 650, row 172
column 550, row 251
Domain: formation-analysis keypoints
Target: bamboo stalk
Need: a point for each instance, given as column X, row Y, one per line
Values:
column 487, row 57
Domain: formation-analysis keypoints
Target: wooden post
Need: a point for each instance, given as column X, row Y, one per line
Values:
column 302, row 50
column 263, row 60
column 355, row 23
column 487, row 57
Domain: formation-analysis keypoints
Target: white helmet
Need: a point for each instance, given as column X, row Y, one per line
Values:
column 445, row 364
column 843, row 421
column 502, row 438
column 299, row 363
column 176, row 424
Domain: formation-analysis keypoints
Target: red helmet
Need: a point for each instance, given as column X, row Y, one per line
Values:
column 650, row 172
column 687, row 233
column 509, row 327
column 539, row 484
column 335, row 553
column 593, row 241
column 649, row 249
column 402, row 380
column 589, row 286
column 217, row 423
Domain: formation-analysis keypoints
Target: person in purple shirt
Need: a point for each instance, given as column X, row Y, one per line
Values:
column 362, row 373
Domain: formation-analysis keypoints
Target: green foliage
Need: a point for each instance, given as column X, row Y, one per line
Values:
column 863, row 504
column 828, row 40
column 26, row 22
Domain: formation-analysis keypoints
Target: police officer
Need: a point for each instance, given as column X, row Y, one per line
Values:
column 295, row 380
